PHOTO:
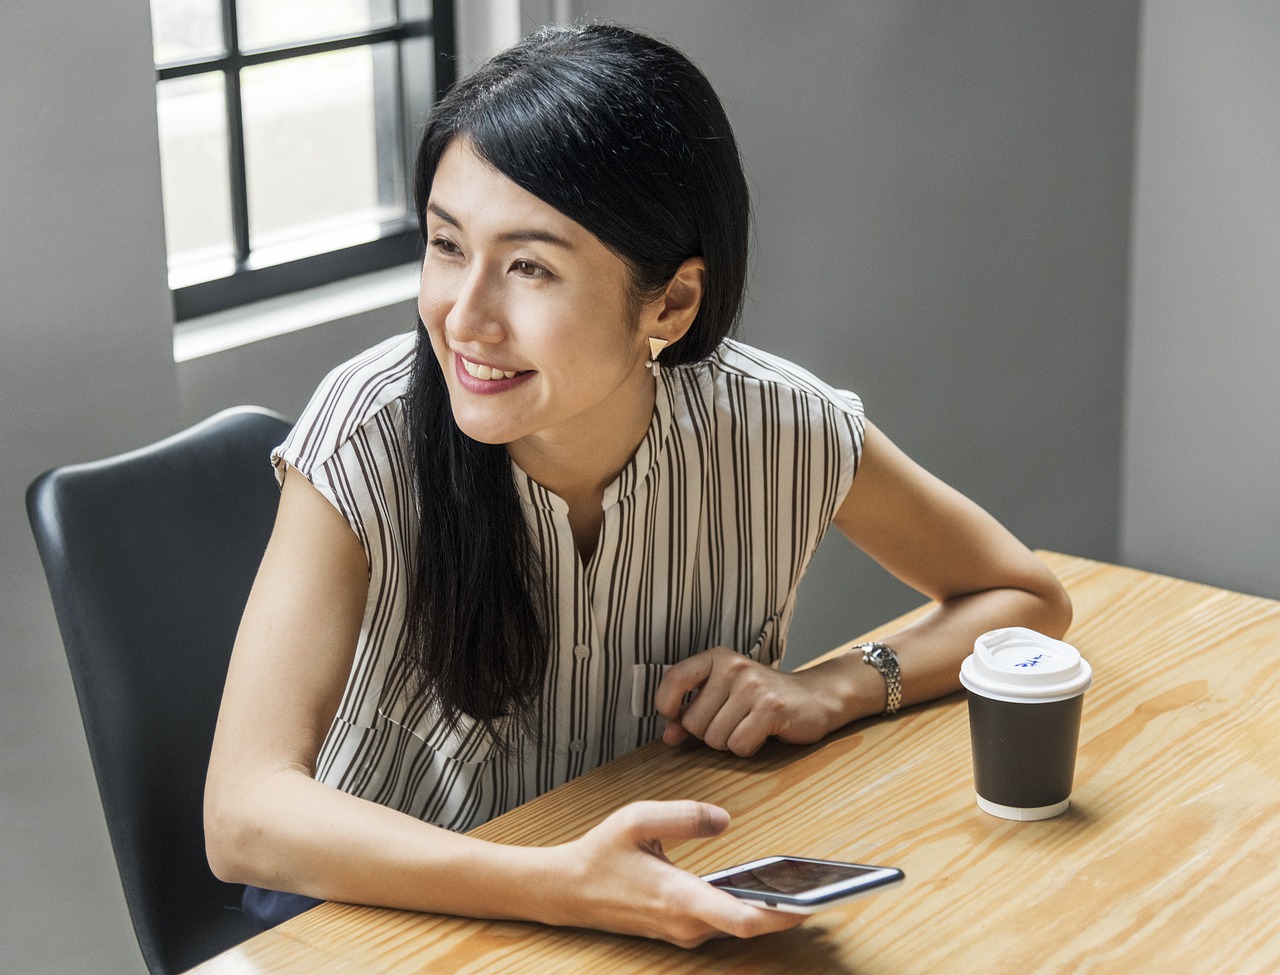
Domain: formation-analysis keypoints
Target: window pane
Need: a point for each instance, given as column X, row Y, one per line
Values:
column 185, row 29
column 272, row 23
column 193, row 164
column 311, row 146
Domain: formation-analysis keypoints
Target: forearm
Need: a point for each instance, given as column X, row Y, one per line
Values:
column 931, row 650
column 613, row 878
column 268, row 822
column 285, row 831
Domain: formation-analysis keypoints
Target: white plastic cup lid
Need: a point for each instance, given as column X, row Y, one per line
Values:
column 1019, row 665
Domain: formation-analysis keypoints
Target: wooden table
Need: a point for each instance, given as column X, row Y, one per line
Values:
column 1167, row 861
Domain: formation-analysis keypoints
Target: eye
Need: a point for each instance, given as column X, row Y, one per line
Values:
column 527, row 269
column 444, row 246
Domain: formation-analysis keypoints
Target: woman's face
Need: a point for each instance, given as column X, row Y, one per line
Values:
column 527, row 313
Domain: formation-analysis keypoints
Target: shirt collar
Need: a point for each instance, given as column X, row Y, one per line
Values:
column 637, row 469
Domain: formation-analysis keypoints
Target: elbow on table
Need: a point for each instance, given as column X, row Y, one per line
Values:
column 231, row 831
column 1056, row 611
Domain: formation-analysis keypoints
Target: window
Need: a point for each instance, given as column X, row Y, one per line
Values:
column 287, row 128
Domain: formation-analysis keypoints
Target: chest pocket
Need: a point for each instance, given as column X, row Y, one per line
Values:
column 414, row 763
column 369, row 757
column 767, row 649
column 466, row 741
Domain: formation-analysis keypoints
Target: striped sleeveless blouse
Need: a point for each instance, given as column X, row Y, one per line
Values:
column 706, row 534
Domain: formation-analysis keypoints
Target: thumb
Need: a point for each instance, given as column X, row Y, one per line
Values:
column 679, row 820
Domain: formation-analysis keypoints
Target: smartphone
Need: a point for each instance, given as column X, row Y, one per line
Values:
column 802, row 885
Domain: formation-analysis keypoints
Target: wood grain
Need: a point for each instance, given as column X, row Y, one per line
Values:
column 1166, row 861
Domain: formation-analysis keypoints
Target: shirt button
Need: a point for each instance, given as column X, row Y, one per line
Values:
column 581, row 651
column 576, row 746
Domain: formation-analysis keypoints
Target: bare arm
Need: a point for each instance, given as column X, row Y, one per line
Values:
column 932, row 538
column 268, row 822
column 939, row 542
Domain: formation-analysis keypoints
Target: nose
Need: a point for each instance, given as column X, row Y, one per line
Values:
column 475, row 311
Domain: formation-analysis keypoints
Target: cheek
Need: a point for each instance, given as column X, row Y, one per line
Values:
column 432, row 306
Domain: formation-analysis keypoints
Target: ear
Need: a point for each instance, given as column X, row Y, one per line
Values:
column 669, row 315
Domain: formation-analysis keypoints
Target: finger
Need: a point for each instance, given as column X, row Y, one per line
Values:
column 733, row 684
column 678, row 820
column 674, row 733
column 677, row 681
column 749, row 735
column 724, row 723
column 733, row 916
column 709, row 701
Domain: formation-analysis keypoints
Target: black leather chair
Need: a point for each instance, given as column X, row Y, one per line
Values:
column 149, row 557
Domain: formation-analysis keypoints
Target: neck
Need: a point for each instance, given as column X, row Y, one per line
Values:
column 579, row 464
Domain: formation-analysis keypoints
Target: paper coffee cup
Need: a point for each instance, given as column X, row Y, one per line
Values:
column 1025, row 695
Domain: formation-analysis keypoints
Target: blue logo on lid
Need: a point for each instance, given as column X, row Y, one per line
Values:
column 1031, row 662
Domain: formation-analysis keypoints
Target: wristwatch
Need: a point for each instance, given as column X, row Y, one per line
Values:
column 882, row 658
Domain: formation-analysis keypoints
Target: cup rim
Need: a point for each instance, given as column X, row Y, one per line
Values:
column 1056, row 672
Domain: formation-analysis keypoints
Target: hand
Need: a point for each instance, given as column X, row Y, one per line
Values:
column 620, row 880
column 739, row 703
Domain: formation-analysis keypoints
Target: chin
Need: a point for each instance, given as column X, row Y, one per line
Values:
column 485, row 432
column 496, row 439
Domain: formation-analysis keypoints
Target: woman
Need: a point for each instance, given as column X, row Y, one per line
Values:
column 514, row 544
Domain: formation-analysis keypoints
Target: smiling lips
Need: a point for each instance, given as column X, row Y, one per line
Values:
column 476, row 371
column 482, row 379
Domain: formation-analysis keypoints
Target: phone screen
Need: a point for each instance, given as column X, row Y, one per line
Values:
column 803, row 884
column 793, row 876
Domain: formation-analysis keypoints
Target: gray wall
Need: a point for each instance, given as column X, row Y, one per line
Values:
column 86, row 369
column 943, row 224
column 1202, row 457
column 942, row 211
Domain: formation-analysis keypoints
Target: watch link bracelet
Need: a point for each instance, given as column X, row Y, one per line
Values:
column 882, row 658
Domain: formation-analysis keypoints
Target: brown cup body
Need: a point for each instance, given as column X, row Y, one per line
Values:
column 1024, row 755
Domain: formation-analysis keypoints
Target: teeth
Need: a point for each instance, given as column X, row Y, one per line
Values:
column 485, row 372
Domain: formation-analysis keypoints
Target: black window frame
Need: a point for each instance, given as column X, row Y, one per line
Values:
column 416, row 67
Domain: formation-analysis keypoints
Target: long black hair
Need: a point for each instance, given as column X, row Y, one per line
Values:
column 624, row 135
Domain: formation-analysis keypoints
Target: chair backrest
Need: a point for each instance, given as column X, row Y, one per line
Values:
column 149, row 558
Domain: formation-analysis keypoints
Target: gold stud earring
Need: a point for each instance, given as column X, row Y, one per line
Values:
column 655, row 349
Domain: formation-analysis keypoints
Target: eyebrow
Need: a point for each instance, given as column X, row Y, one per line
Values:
column 519, row 235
